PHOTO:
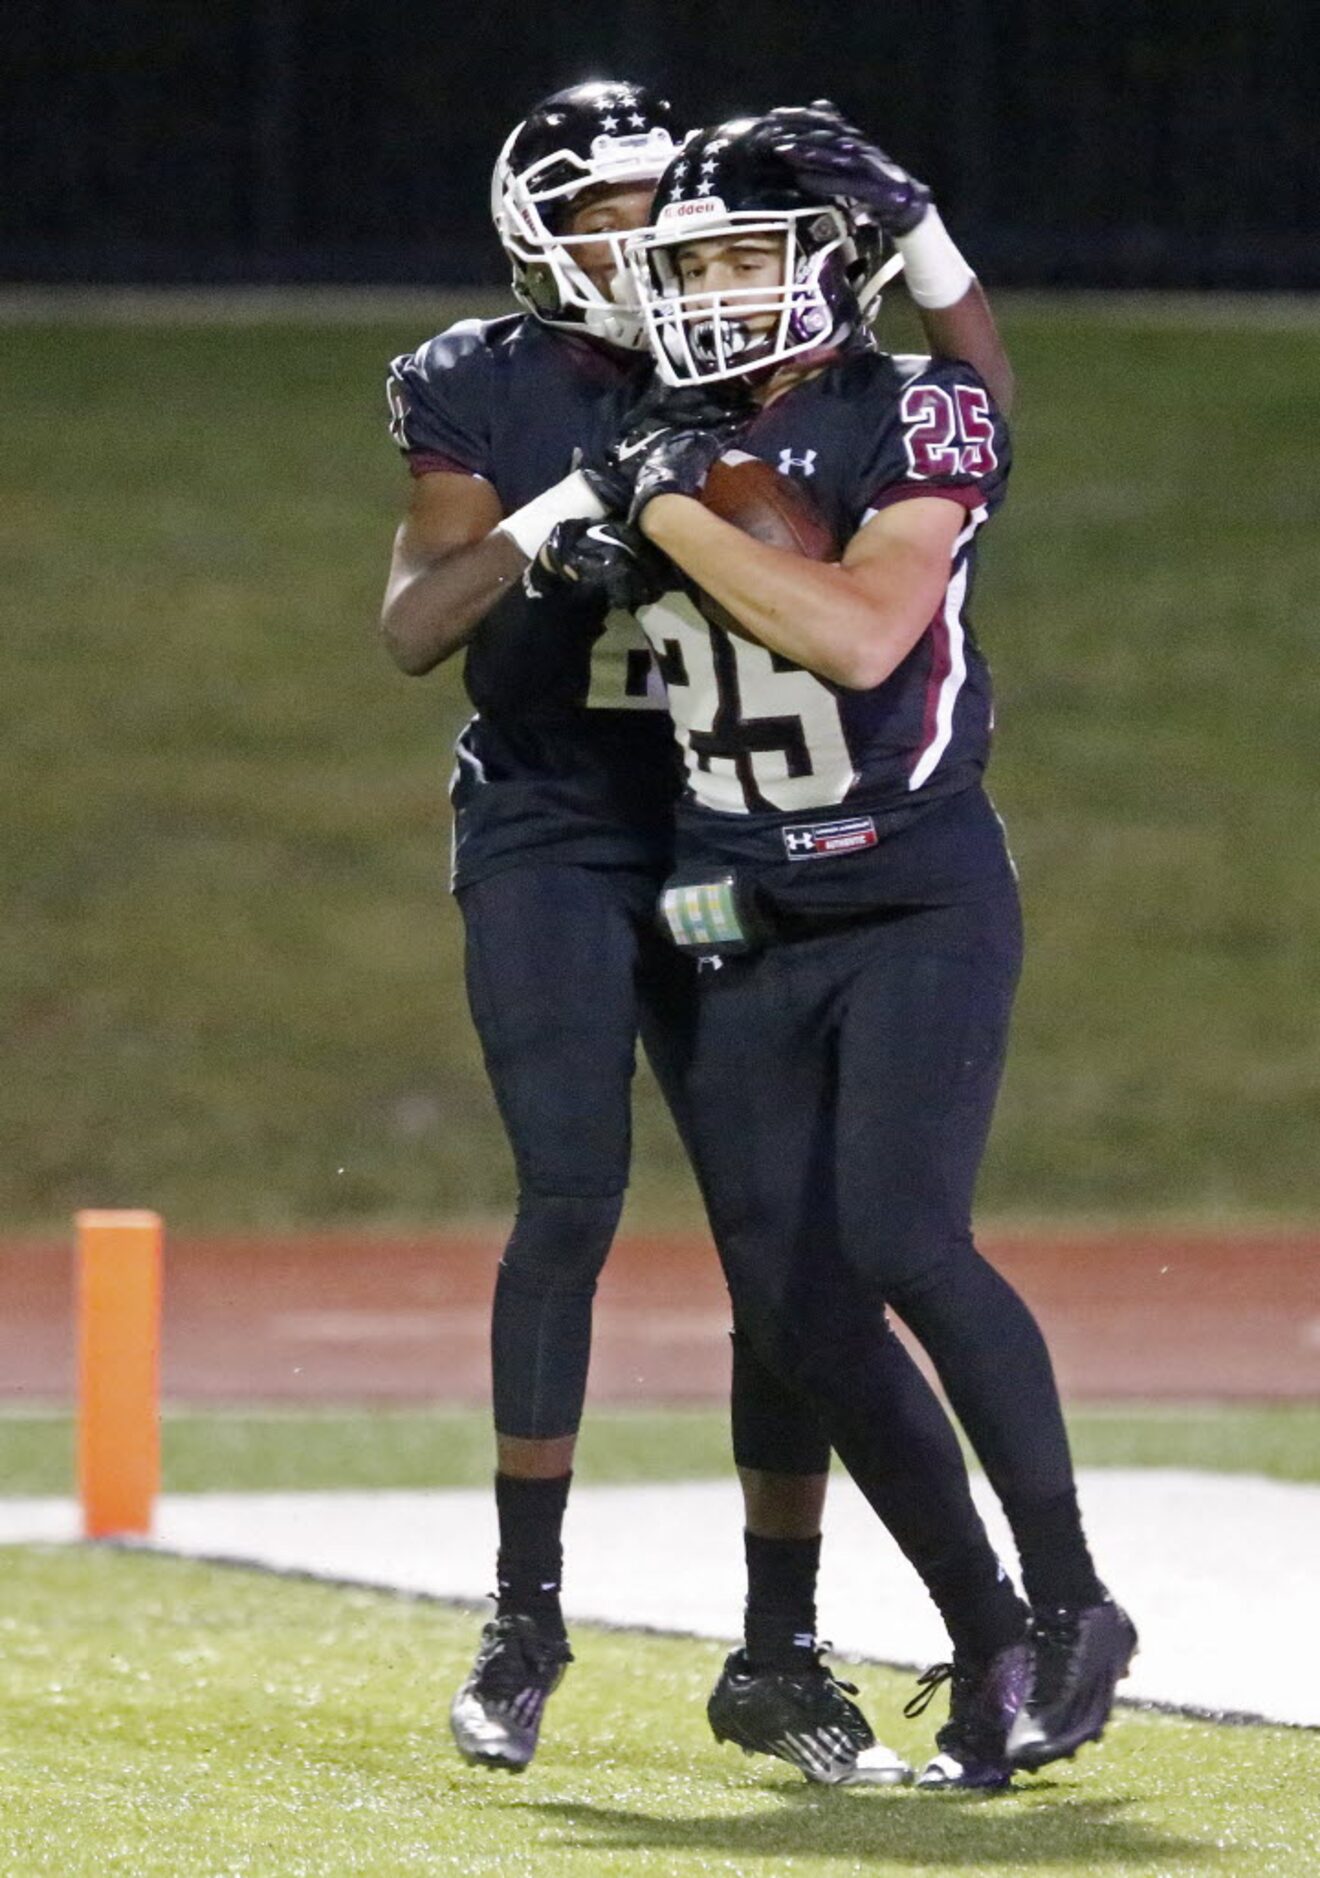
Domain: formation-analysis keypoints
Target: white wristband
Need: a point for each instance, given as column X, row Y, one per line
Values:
column 935, row 272
column 532, row 525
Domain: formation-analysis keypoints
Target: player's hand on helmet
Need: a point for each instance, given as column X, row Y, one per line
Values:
column 830, row 158
column 820, row 114
column 610, row 560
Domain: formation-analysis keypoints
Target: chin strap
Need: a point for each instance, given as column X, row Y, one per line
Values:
column 870, row 290
column 616, row 326
column 618, row 318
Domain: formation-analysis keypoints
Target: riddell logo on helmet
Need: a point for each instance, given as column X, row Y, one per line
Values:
column 698, row 208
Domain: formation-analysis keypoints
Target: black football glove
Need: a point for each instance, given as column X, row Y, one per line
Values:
column 830, row 157
column 663, row 411
column 723, row 405
column 676, row 464
column 609, row 561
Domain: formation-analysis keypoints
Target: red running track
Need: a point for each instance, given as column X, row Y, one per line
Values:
column 1128, row 1313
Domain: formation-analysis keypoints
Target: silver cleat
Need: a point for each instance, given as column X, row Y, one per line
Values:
column 496, row 1715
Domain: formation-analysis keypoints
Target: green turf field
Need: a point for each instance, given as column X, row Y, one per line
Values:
column 161, row 1717
column 255, row 1451
column 174, row 1720
column 229, row 986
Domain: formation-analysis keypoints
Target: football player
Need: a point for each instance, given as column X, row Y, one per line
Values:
column 836, row 830
column 563, row 793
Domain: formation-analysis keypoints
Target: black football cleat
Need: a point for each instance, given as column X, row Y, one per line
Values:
column 802, row 1716
column 1078, row 1657
column 985, row 1695
column 496, row 1715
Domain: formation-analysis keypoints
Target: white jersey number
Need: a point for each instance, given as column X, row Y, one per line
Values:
column 623, row 671
column 757, row 732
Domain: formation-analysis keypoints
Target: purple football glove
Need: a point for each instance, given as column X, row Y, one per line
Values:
column 830, row 157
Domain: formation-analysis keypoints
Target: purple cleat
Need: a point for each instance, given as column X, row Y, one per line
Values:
column 984, row 1698
column 1078, row 1657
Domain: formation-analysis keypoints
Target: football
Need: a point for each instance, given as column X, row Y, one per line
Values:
column 773, row 509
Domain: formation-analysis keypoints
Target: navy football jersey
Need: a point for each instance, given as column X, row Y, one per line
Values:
column 791, row 773
column 570, row 756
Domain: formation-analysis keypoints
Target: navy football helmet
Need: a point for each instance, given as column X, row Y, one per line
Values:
column 591, row 136
column 727, row 183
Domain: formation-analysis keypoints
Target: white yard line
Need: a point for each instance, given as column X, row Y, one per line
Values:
column 1217, row 1569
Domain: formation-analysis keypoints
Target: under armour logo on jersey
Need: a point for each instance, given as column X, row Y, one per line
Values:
column 788, row 462
column 819, row 839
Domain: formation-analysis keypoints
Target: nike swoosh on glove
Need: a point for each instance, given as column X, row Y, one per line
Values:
column 610, row 561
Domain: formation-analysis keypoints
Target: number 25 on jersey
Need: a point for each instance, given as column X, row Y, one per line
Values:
column 948, row 433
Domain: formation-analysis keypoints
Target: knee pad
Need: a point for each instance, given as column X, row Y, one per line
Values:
column 560, row 1241
column 541, row 1324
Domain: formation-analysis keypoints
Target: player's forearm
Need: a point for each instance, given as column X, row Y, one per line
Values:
column 434, row 605
column 967, row 330
column 812, row 612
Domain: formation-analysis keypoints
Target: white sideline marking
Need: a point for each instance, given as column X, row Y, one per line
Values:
column 1217, row 1569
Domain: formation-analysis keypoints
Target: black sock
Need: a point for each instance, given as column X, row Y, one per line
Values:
column 975, row 1596
column 531, row 1557
column 1056, row 1562
column 780, row 1621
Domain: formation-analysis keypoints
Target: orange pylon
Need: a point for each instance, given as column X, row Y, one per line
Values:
column 119, row 1291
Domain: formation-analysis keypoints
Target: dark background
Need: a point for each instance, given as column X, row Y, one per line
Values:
column 1138, row 143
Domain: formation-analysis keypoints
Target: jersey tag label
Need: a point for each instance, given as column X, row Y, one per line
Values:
column 822, row 838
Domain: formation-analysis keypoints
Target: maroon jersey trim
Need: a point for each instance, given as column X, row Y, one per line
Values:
column 967, row 495
column 427, row 462
column 947, row 672
column 941, row 664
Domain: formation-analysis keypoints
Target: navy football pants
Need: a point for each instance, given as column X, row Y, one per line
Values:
column 565, row 967
column 841, row 1097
